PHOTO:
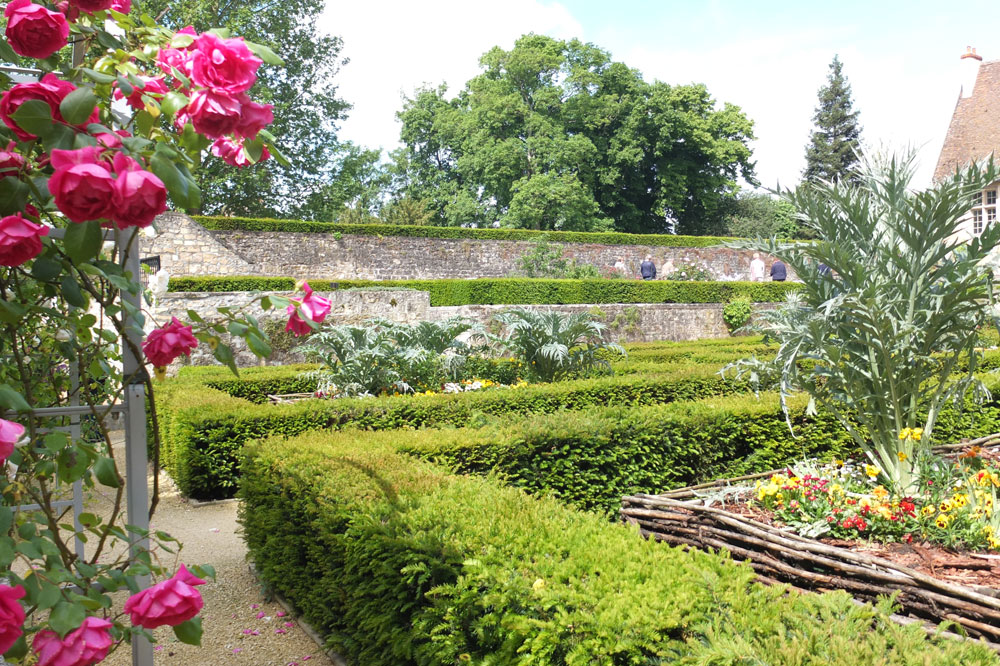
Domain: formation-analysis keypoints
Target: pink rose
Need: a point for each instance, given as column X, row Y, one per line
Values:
column 315, row 308
column 51, row 90
column 121, row 6
column 20, row 240
column 213, row 115
column 33, row 30
column 234, row 154
column 169, row 602
column 139, row 197
column 91, row 6
column 83, row 646
column 223, row 65
column 11, row 162
column 153, row 87
column 165, row 344
column 253, row 118
column 170, row 59
column 11, row 612
column 82, row 187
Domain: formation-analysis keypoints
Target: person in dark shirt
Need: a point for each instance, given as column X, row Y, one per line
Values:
column 647, row 269
column 778, row 271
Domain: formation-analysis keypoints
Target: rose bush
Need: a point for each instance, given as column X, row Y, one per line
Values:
column 76, row 173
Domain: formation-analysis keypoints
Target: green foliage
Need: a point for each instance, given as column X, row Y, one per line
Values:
column 420, row 231
column 736, row 313
column 835, row 145
column 546, row 260
column 554, row 345
column 555, row 135
column 689, row 272
column 395, row 562
column 887, row 330
column 519, row 291
column 760, row 215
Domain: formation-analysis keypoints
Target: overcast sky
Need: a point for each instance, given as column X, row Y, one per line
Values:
column 770, row 58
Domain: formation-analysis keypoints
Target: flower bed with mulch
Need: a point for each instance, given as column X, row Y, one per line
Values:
column 932, row 582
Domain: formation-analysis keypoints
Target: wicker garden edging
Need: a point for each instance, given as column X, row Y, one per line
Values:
column 681, row 517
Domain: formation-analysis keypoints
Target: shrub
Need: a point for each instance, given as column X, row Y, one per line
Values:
column 736, row 313
column 395, row 562
column 521, row 291
column 418, row 231
column 688, row 273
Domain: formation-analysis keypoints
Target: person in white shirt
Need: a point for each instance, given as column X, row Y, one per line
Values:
column 756, row 268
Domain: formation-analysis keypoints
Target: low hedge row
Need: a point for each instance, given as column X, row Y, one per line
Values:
column 518, row 291
column 414, row 231
column 203, row 429
column 396, row 563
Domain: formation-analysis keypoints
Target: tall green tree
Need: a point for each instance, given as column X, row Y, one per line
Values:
column 555, row 135
column 304, row 95
column 832, row 152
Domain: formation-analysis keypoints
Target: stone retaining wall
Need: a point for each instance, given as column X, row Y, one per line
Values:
column 188, row 249
column 626, row 322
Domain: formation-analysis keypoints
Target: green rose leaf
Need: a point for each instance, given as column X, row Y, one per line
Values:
column 83, row 241
column 34, row 117
column 13, row 195
column 106, row 472
column 66, row 617
column 77, row 106
column 189, row 632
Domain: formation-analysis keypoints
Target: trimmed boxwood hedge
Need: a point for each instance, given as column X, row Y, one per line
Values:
column 414, row 231
column 203, row 429
column 518, row 291
column 396, row 563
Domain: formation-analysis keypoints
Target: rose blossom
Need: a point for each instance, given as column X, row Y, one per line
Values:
column 213, row 115
column 234, row 154
column 169, row 602
column 11, row 612
column 164, row 344
column 314, row 307
column 82, row 187
column 153, row 86
column 33, row 30
column 253, row 117
column 121, row 6
column 83, row 646
column 51, row 90
column 139, row 196
column 223, row 65
column 10, row 161
column 91, row 6
column 20, row 240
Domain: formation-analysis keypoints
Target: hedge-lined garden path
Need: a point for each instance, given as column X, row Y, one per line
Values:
column 241, row 627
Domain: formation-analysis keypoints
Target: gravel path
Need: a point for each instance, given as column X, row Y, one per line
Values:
column 241, row 627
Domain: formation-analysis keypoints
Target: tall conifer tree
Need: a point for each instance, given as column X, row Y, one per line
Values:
column 832, row 153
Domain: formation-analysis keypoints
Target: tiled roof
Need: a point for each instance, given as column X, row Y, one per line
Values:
column 974, row 132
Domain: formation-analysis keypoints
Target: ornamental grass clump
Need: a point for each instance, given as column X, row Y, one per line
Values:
column 883, row 333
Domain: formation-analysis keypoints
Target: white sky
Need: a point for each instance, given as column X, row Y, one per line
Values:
column 768, row 57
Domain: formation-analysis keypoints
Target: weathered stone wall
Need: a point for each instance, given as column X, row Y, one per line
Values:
column 186, row 248
column 626, row 323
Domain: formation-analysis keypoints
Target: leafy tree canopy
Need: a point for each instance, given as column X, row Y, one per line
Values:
column 554, row 135
column 306, row 106
column 832, row 152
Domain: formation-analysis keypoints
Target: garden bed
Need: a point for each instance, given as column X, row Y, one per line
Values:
column 932, row 583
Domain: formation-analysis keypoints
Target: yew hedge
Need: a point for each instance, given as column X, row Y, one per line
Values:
column 395, row 562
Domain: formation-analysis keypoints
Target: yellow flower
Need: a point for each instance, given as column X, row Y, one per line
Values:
column 838, row 463
column 942, row 521
column 916, row 434
column 904, row 434
column 928, row 510
column 836, row 489
column 959, row 500
column 945, row 506
column 902, row 456
column 871, row 471
column 993, row 542
column 880, row 492
column 885, row 512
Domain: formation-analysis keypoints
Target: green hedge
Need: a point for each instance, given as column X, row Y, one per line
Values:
column 398, row 564
column 519, row 291
column 203, row 429
column 412, row 231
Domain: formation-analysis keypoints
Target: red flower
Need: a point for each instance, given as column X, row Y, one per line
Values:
column 214, row 114
column 139, row 195
column 169, row 602
column 84, row 646
column 20, row 240
column 91, row 6
column 51, row 90
column 33, row 30
column 152, row 87
column 11, row 162
column 81, row 185
column 314, row 307
column 223, row 65
column 165, row 344
column 11, row 612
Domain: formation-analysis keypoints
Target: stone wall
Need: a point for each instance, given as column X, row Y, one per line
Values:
column 186, row 248
column 626, row 323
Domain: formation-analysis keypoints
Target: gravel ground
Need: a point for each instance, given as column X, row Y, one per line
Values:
column 241, row 626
